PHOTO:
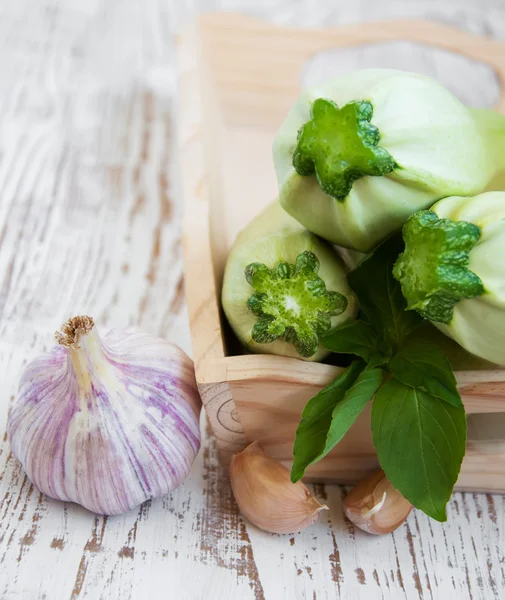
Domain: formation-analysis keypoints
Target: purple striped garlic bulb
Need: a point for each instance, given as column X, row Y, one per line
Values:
column 106, row 422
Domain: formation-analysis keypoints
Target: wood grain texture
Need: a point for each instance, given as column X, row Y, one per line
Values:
column 260, row 87
column 89, row 222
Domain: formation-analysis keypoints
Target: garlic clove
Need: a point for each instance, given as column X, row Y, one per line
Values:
column 267, row 497
column 106, row 421
column 375, row 506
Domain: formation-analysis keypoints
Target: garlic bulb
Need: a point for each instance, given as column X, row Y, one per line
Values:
column 106, row 422
column 266, row 496
column 375, row 506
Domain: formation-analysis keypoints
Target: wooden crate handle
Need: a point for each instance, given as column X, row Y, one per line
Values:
column 312, row 41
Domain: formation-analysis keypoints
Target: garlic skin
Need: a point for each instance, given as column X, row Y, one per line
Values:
column 375, row 506
column 266, row 496
column 106, row 423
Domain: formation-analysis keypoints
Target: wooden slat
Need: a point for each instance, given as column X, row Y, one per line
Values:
column 259, row 88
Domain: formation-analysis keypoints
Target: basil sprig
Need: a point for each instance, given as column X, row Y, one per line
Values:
column 418, row 419
column 327, row 417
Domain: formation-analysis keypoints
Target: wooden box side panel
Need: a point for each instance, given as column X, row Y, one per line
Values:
column 199, row 185
column 269, row 412
column 257, row 66
column 223, row 418
column 262, row 398
column 483, row 470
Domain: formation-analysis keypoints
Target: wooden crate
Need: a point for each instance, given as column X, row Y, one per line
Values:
column 238, row 78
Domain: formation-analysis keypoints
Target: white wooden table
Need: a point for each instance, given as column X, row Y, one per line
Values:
column 89, row 223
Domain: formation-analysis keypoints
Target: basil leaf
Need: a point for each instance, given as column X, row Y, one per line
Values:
column 378, row 359
column 352, row 404
column 420, row 442
column 316, row 418
column 356, row 337
column 327, row 417
column 359, row 338
column 425, row 366
column 380, row 296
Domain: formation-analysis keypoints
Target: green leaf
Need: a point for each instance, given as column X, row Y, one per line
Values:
column 425, row 366
column 352, row 404
column 380, row 296
column 359, row 338
column 420, row 442
column 355, row 337
column 327, row 417
column 378, row 359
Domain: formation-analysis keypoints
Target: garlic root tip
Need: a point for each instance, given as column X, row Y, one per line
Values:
column 72, row 329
